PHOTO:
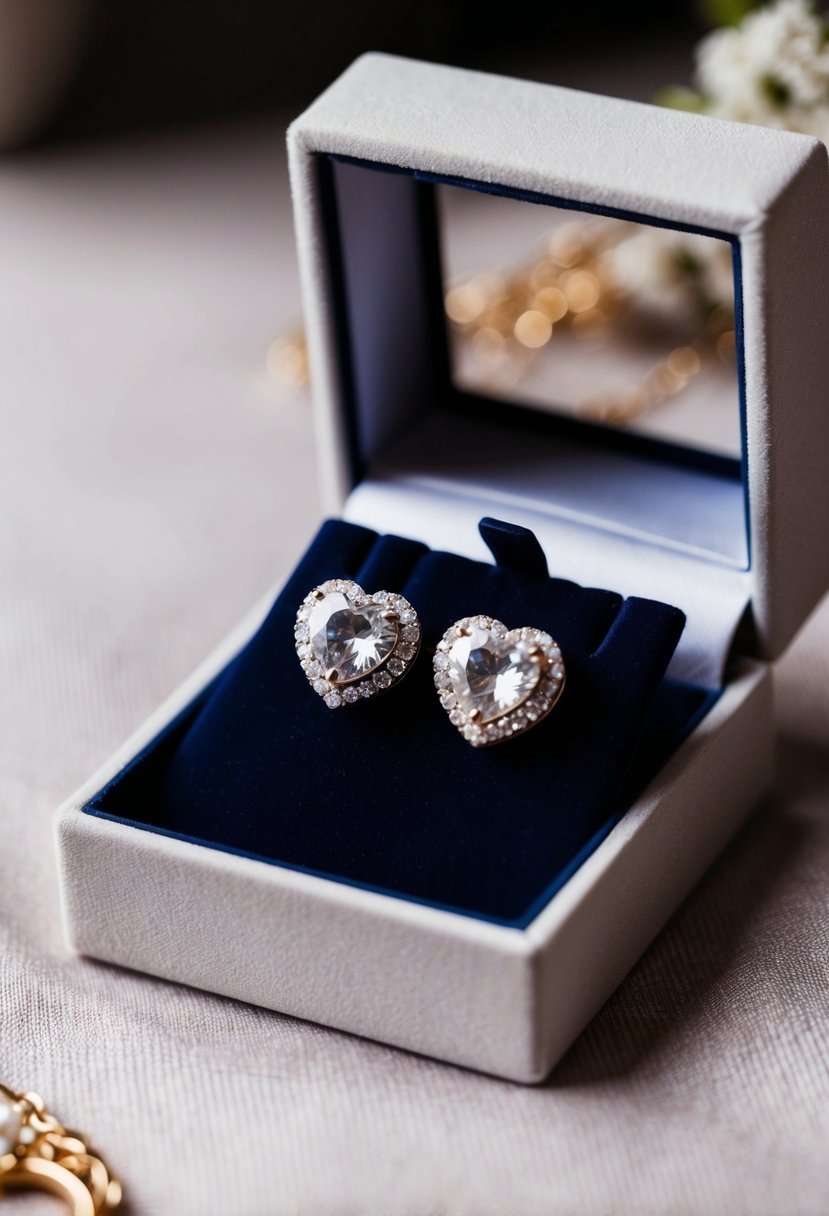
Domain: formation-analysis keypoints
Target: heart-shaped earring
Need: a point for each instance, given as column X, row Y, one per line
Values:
column 352, row 645
column 496, row 683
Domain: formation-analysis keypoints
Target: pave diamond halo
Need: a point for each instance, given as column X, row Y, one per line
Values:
column 496, row 683
column 353, row 645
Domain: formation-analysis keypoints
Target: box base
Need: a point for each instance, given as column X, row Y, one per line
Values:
column 499, row 999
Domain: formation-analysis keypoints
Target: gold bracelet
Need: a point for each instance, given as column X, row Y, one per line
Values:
column 39, row 1153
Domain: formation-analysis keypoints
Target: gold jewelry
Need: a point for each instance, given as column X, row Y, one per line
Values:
column 505, row 318
column 352, row 645
column 496, row 683
column 38, row 1153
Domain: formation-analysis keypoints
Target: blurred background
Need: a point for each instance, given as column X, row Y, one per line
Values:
column 80, row 68
column 74, row 72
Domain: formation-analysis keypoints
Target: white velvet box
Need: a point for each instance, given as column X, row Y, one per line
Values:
column 503, row 999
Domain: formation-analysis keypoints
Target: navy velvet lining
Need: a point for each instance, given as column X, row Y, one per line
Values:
column 386, row 794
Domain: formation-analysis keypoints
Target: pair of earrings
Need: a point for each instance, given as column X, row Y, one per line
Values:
column 494, row 683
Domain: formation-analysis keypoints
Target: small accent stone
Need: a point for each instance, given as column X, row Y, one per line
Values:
column 410, row 633
column 367, row 689
column 441, row 662
column 396, row 667
column 407, row 616
column 351, row 695
column 322, row 687
column 333, row 700
column 405, row 651
column 442, row 680
column 382, row 679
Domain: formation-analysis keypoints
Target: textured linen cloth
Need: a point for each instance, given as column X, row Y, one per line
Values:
column 153, row 483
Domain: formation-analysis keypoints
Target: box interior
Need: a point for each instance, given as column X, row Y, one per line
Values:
column 387, row 795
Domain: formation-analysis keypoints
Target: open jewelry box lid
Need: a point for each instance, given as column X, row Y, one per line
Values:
column 395, row 447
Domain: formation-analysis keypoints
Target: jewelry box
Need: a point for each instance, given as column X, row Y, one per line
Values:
column 362, row 867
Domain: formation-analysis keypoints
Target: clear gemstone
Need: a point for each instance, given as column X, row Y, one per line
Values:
column 351, row 695
column 333, row 700
column 405, row 651
column 406, row 616
column 11, row 1120
column 367, row 689
column 382, row 679
column 491, row 674
column 396, row 667
column 410, row 633
column 351, row 641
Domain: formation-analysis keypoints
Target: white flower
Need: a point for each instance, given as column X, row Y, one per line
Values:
column 679, row 275
column 775, row 63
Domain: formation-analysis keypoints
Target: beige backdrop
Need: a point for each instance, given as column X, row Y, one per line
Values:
column 153, row 483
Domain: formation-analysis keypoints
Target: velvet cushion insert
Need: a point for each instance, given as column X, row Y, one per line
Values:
column 387, row 794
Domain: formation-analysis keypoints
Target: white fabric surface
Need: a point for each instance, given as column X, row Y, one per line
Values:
column 152, row 485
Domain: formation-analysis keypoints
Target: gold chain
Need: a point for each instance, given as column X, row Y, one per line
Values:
column 38, row 1153
column 510, row 316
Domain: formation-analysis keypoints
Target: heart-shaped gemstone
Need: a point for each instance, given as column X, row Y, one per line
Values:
column 352, row 645
column 496, row 683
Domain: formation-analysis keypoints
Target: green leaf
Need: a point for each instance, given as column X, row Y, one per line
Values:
column 725, row 12
column 777, row 91
column 674, row 97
